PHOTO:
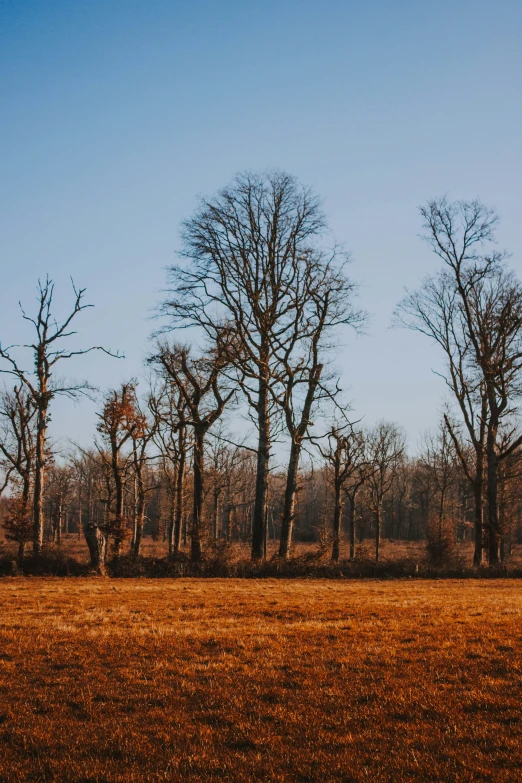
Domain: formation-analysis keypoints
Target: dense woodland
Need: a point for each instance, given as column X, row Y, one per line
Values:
column 254, row 308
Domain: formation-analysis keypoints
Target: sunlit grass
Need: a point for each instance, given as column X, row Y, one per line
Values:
column 273, row 680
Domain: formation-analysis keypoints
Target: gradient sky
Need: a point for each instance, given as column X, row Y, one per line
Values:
column 116, row 114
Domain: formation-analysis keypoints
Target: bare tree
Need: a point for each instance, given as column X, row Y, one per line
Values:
column 472, row 310
column 93, row 476
column 247, row 251
column 17, row 437
column 119, row 422
column 224, row 458
column 170, row 412
column 218, row 459
column 509, row 490
column 434, row 311
column 142, row 436
column 359, row 471
column 438, row 457
column 326, row 304
column 232, row 479
column 82, row 478
column 203, row 387
column 17, row 457
column 344, row 453
column 42, row 383
column 385, row 444
column 58, row 493
column 496, row 312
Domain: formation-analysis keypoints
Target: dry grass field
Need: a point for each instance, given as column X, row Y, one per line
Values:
column 135, row 681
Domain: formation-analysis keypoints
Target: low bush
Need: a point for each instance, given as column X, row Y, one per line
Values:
column 52, row 561
column 225, row 561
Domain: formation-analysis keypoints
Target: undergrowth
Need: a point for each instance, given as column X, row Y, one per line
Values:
column 221, row 562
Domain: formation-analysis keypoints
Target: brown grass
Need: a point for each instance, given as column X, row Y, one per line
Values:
column 240, row 680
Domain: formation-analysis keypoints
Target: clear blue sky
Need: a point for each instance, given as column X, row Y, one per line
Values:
column 116, row 114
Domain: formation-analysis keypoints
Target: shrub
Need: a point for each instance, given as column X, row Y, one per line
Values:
column 440, row 541
column 53, row 561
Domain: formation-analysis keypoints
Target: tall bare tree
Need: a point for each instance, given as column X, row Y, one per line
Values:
column 472, row 309
column 496, row 312
column 42, row 383
column 326, row 305
column 246, row 252
column 434, row 310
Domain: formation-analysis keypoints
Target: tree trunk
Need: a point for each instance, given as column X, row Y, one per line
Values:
column 140, row 517
column 119, row 515
column 494, row 532
column 97, row 543
column 263, row 458
column 80, row 516
column 398, row 525
column 287, row 523
column 195, row 535
column 134, row 515
column 180, row 486
column 59, row 522
column 228, row 513
column 270, row 524
column 215, row 516
column 338, row 507
column 170, row 529
column 21, row 552
column 377, row 532
column 505, row 528
column 297, row 434
column 352, row 526
column 478, row 494
column 265, row 534
column 39, row 473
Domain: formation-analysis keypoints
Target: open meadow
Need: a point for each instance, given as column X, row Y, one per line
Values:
column 131, row 681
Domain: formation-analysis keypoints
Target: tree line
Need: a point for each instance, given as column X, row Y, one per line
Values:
column 252, row 314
